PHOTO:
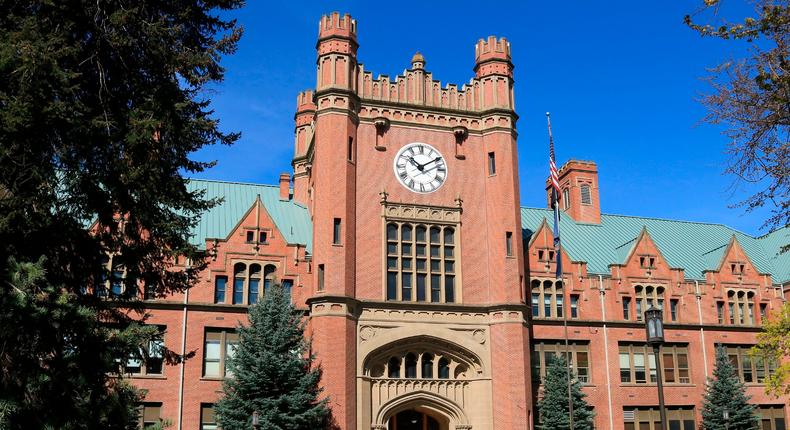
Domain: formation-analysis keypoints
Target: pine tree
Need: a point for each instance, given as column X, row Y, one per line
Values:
column 102, row 105
column 553, row 406
column 273, row 372
column 725, row 392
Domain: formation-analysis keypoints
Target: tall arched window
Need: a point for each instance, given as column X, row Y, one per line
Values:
column 239, row 279
column 254, row 285
column 647, row 296
column 411, row 365
column 269, row 272
column 548, row 299
column 741, row 307
column 393, row 367
column 427, row 365
column 444, row 368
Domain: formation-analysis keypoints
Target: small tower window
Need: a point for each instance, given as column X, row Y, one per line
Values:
column 491, row 163
column 586, row 198
column 566, row 199
column 336, row 232
column 350, row 149
column 509, row 243
column 320, row 277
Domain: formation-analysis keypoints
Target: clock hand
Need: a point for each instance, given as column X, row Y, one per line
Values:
column 432, row 161
column 416, row 164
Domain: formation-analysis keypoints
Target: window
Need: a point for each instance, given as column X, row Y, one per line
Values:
column 149, row 414
column 112, row 279
column 649, row 418
column 586, row 198
column 637, row 361
column 509, row 243
column 547, row 299
column 749, row 369
column 219, row 345
column 626, row 308
column 574, row 306
column 207, row 420
column 263, row 236
column 673, row 310
column 239, row 279
column 647, row 296
column 566, row 199
column 491, row 164
column 254, row 286
column 546, row 255
column 420, row 365
column 421, row 262
column 336, row 232
column 320, row 277
column 150, row 359
column 269, row 273
column 288, row 285
column 741, row 306
column 250, row 236
column 720, row 312
column 763, row 312
column 350, row 149
column 578, row 357
column 772, row 417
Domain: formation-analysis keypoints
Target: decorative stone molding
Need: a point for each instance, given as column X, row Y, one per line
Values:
column 433, row 214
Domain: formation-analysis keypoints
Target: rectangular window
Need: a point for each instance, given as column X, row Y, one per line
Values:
column 350, row 149
column 720, row 312
column 263, row 237
column 491, row 163
column 220, row 285
column 626, row 308
column 219, row 345
column 535, row 305
column 509, row 243
column 649, row 418
column 420, row 262
column 574, row 306
column 288, row 285
column 320, row 277
column 336, row 232
column 772, row 417
column 207, row 420
column 250, row 236
column 577, row 354
column 150, row 414
column 763, row 312
column 638, row 360
column 639, row 309
column 586, row 197
column 673, row 310
column 151, row 358
column 749, row 369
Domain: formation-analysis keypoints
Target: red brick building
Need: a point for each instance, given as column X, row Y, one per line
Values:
column 430, row 290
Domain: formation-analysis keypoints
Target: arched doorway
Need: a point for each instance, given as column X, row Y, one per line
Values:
column 415, row 419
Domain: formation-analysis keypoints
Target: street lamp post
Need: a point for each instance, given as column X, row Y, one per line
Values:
column 256, row 421
column 654, row 324
column 726, row 415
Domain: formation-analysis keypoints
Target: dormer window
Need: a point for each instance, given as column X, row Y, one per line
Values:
column 737, row 268
column 546, row 255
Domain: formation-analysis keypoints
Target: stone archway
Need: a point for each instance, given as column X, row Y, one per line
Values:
column 447, row 414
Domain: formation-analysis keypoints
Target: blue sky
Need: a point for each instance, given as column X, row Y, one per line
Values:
column 621, row 80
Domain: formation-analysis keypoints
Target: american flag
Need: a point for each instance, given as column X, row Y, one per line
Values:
column 555, row 198
column 555, row 176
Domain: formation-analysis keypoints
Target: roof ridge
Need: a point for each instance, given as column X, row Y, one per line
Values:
column 774, row 231
column 659, row 219
column 232, row 182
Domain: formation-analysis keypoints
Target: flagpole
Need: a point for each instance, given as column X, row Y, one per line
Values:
column 558, row 250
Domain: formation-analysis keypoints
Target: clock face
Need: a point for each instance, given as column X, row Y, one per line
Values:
column 420, row 168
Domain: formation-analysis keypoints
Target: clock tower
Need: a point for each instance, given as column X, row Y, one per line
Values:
column 417, row 306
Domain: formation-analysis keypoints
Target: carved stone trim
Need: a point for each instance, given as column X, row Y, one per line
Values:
column 434, row 214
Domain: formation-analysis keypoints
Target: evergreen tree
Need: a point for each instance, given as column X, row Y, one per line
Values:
column 553, row 406
column 725, row 392
column 273, row 372
column 102, row 104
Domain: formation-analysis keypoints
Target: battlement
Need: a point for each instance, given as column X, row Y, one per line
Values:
column 334, row 25
column 492, row 49
column 304, row 101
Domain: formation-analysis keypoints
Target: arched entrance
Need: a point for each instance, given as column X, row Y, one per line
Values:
column 416, row 419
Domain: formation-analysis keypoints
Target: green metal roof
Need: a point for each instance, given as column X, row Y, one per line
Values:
column 292, row 219
column 692, row 246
